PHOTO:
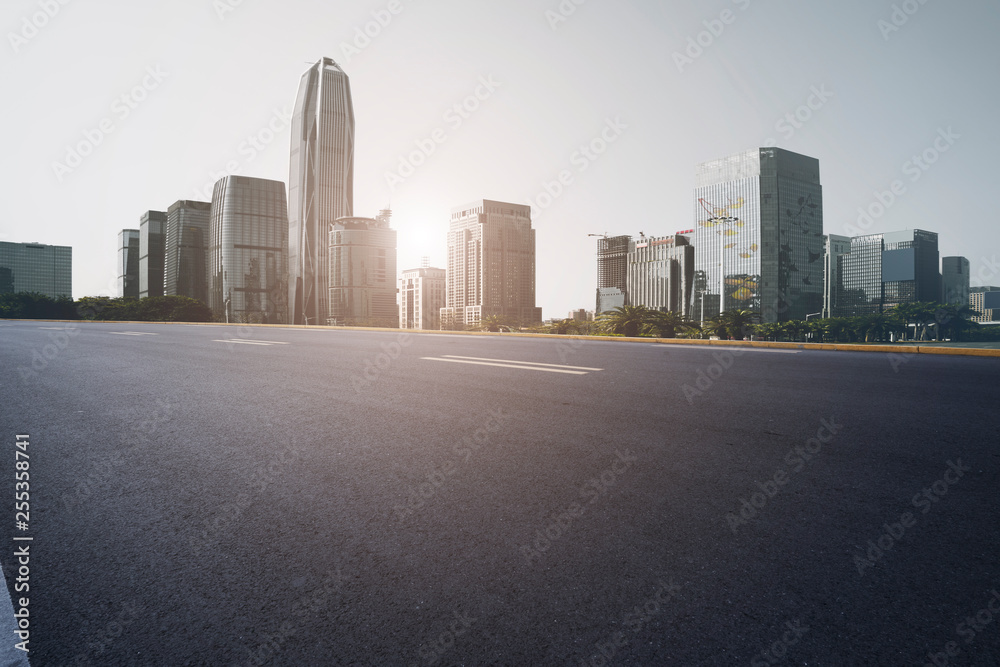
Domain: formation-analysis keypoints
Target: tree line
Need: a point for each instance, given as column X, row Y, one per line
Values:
column 35, row 306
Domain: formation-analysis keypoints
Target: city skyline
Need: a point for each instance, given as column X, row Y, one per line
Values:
column 908, row 145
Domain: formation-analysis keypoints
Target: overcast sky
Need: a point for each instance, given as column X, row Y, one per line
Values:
column 173, row 94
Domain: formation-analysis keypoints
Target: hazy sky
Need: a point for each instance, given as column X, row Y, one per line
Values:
column 177, row 94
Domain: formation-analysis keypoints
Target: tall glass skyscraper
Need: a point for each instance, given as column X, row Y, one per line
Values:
column 128, row 263
column 152, row 226
column 759, row 235
column 184, row 252
column 247, row 250
column 320, row 184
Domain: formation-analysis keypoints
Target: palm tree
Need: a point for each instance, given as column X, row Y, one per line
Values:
column 768, row 330
column 624, row 320
column 955, row 318
column 666, row 324
column 734, row 323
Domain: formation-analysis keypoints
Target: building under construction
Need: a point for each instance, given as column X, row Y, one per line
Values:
column 612, row 272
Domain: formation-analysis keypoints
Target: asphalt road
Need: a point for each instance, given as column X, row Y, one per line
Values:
column 303, row 497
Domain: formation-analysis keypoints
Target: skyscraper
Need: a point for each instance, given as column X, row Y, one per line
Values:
column 612, row 272
column 833, row 247
column 955, row 280
column 362, row 288
column 128, row 263
column 184, row 252
column 36, row 267
column 661, row 273
column 320, row 184
column 421, row 298
column 491, row 265
column 759, row 235
column 152, row 226
column 247, row 251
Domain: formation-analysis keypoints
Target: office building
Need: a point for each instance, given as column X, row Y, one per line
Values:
column 954, row 280
column 36, row 267
column 491, row 265
column 421, row 298
column 320, row 184
column 184, row 251
column 758, row 235
column 833, row 247
column 661, row 273
column 884, row 270
column 612, row 272
column 985, row 300
column 128, row 263
column 247, row 251
column 362, row 272
column 152, row 226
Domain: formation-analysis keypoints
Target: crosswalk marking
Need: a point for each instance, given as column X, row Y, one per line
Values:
column 522, row 365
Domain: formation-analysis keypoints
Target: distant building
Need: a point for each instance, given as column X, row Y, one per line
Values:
column 184, row 250
column 833, row 247
column 661, row 273
column 320, row 184
column 491, row 265
column 581, row 315
column 612, row 272
column 884, row 270
column 247, row 261
column 986, row 301
column 954, row 280
column 421, row 298
column 128, row 263
column 152, row 244
column 36, row 267
column 758, row 219
column 362, row 272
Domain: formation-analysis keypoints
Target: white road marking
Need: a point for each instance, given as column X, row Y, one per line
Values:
column 252, row 342
column 133, row 333
column 506, row 365
column 529, row 363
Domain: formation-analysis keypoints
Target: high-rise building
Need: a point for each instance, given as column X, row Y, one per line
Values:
column 985, row 300
column 128, row 263
column 36, row 267
column 247, row 251
column 833, row 247
column 152, row 226
column 491, row 265
column 362, row 260
column 320, row 185
column 954, row 280
column 184, row 252
column 884, row 270
column 612, row 272
column 758, row 235
column 661, row 273
column 421, row 298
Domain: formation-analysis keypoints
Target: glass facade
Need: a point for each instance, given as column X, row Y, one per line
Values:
column 758, row 235
column 128, row 263
column 247, row 251
column 362, row 289
column 955, row 280
column 35, row 267
column 320, row 184
column 860, row 290
column 152, row 242
column 184, row 252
